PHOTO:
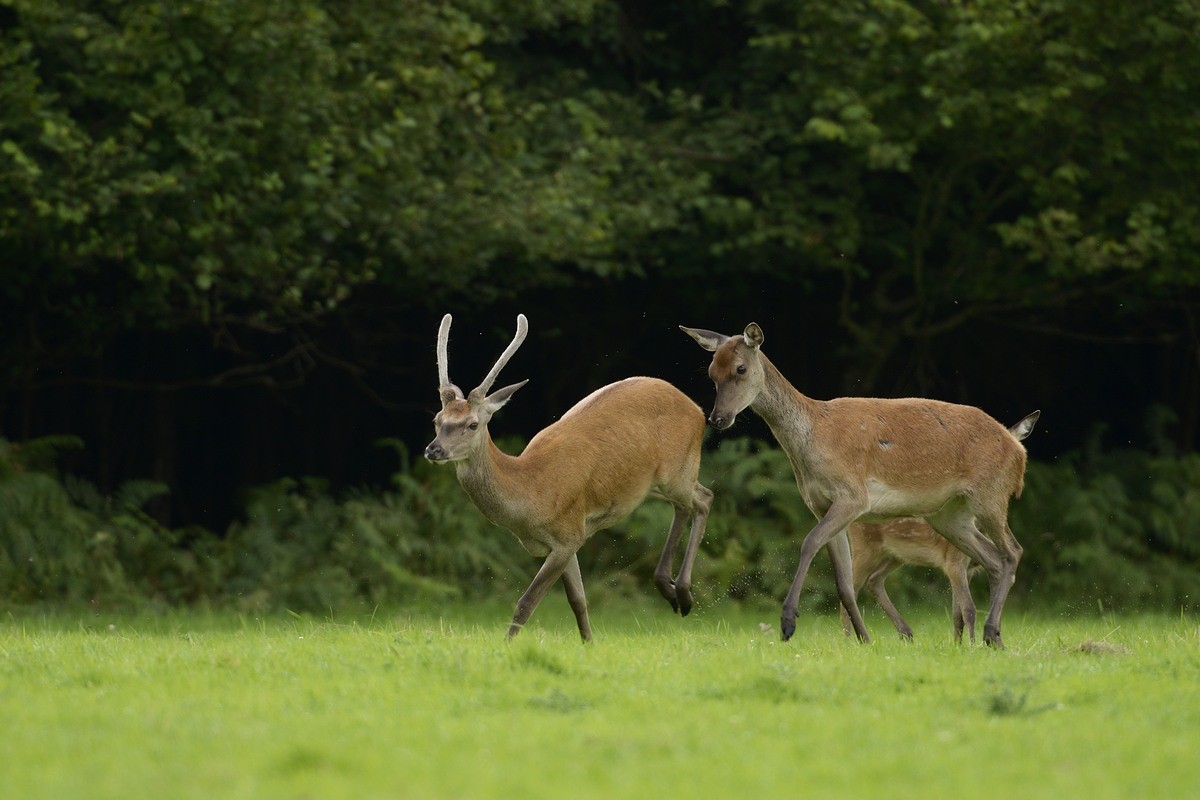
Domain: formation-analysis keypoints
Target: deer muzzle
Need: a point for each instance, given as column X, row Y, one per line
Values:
column 721, row 421
column 435, row 452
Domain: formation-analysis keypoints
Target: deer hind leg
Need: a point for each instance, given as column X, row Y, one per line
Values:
column 995, row 527
column 662, row 573
column 875, row 585
column 552, row 569
column 701, row 504
column 958, row 524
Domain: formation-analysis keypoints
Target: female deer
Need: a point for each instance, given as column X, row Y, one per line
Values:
column 875, row 459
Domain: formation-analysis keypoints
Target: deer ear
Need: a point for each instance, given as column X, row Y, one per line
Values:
column 496, row 400
column 449, row 394
column 709, row 340
column 1025, row 426
column 753, row 336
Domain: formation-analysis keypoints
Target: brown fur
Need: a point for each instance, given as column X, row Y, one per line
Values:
column 875, row 459
column 878, row 549
column 627, row 441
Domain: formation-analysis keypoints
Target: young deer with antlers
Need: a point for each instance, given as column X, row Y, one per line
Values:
column 623, row 443
column 878, row 549
column 875, row 459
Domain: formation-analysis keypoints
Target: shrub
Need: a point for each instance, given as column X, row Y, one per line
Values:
column 1120, row 529
column 61, row 540
column 1116, row 528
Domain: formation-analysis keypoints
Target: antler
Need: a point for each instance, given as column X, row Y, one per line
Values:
column 443, row 361
column 446, row 390
column 522, row 329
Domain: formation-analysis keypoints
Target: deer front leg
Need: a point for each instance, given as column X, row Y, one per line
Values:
column 552, row 569
column 573, row 583
column 839, row 515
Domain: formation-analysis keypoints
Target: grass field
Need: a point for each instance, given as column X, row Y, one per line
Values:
column 434, row 703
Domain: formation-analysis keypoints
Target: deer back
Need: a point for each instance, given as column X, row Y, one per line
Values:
column 910, row 442
column 602, row 458
column 908, row 456
column 629, row 434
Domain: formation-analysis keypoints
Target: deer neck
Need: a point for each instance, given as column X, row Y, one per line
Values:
column 787, row 412
column 490, row 479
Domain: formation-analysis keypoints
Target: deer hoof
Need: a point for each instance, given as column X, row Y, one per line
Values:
column 992, row 639
column 685, row 600
column 667, row 590
column 787, row 627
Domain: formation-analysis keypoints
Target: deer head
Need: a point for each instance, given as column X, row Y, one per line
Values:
column 736, row 369
column 461, row 425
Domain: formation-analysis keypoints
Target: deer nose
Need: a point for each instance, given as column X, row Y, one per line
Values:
column 717, row 421
column 435, row 452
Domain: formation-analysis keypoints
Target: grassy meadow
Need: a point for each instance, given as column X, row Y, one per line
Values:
column 433, row 703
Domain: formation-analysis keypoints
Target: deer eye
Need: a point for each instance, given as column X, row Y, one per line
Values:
column 741, row 370
column 474, row 426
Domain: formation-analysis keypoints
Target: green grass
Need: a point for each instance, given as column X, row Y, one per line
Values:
column 434, row 703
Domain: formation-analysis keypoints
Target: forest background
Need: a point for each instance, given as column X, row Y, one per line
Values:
column 228, row 231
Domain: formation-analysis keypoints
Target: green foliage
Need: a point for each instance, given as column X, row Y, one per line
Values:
column 300, row 548
column 60, row 540
column 948, row 160
column 226, row 163
column 246, row 170
column 1120, row 529
column 297, row 547
column 231, row 164
column 40, row 455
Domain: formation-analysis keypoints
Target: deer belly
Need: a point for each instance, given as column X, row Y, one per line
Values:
column 884, row 501
column 534, row 547
column 607, row 517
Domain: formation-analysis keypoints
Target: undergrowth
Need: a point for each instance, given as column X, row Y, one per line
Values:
column 1109, row 529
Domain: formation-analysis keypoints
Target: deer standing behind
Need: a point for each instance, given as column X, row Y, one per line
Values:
column 623, row 443
column 872, row 459
column 879, row 549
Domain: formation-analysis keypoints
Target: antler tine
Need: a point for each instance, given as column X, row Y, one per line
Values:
column 443, row 362
column 522, row 329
